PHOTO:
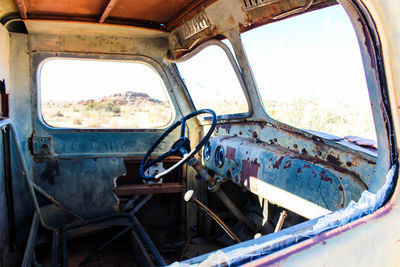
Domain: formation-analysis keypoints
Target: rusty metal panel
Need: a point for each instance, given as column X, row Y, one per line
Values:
column 305, row 174
column 75, row 8
column 264, row 170
column 153, row 10
column 338, row 155
column 21, row 113
column 84, row 185
column 151, row 14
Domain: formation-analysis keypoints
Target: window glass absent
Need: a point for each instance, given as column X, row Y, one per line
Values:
column 102, row 94
column 212, row 83
column 310, row 74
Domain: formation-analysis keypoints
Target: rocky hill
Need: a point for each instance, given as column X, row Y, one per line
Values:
column 122, row 110
column 126, row 98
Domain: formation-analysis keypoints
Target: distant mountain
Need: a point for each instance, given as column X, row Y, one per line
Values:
column 126, row 98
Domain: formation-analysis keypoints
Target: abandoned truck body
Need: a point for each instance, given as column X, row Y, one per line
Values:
column 212, row 132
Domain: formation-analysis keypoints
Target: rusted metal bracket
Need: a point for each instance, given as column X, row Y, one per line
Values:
column 42, row 145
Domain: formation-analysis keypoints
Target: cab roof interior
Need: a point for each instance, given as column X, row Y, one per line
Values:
column 158, row 14
column 186, row 23
column 155, row 14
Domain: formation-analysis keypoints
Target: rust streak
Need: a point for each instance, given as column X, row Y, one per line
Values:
column 230, row 153
column 314, row 173
column 108, row 10
column 368, row 43
column 227, row 127
column 187, row 13
column 334, row 160
column 307, row 166
column 287, row 164
column 325, row 177
column 248, row 169
column 277, row 163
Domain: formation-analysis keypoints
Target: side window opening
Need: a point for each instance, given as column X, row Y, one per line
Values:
column 310, row 74
column 212, row 82
column 79, row 93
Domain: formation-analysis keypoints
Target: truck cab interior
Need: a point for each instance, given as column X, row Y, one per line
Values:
column 211, row 132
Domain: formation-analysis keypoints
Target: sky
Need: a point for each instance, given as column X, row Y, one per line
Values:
column 71, row 79
column 316, row 53
column 217, row 80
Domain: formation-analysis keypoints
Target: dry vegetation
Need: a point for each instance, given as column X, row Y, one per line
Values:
column 126, row 110
column 341, row 120
column 138, row 110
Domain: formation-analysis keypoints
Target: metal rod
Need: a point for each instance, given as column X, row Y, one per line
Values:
column 31, row 185
column 218, row 220
column 64, row 247
column 30, row 244
column 146, row 239
column 108, row 242
column 143, row 259
column 99, row 219
column 54, row 249
column 221, row 195
column 279, row 225
column 189, row 197
column 35, row 263
column 8, row 187
column 235, row 211
column 141, row 204
column 130, row 203
column 196, row 164
column 29, row 182
column 56, row 202
column 191, row 233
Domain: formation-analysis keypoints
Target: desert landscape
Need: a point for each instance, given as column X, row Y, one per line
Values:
column 122, row 110
column 138, row 110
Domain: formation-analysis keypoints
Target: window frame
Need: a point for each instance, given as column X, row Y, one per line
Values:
column 236, row 70
column 151, row 63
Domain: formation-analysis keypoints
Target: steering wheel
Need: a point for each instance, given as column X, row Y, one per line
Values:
column 180, row 148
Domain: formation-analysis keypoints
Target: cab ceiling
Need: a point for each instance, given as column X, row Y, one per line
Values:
column 158, row 14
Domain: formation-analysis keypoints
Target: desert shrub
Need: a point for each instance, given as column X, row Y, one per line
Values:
column 92, row 106
column 116, row 110
column 108, row 107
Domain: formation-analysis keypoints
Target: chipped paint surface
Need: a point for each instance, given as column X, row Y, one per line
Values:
column 341, row 156
column 230, row 153
column 84, row 184
column 265, row 160
column 255, row 164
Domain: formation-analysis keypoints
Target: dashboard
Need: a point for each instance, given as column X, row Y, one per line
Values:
column 306, row 182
